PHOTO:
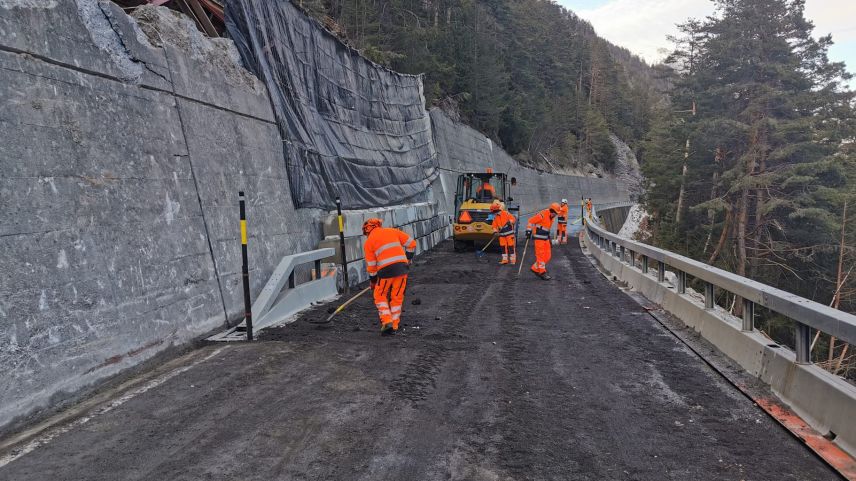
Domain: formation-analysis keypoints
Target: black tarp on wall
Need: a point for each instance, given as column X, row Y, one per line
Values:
column 351, row 127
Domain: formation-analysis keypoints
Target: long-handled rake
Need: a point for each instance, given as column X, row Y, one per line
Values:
column 343, row 306
column 480, row 253
column 523, row 258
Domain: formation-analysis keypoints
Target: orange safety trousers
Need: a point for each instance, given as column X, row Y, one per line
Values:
column 543, row 252
column 509, row 249
column 389, row 297
column 562, row 233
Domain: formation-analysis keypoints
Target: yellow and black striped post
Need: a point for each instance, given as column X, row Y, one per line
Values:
column 245, row 269
column 342, row 244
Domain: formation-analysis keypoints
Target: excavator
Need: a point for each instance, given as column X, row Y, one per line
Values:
column 474, row 194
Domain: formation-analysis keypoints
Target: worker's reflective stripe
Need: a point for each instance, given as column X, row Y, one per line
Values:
column 371, row 263
column 385, row 247
column 396, row 315
column 391, row 260
column 507, row 229
column 563, row 220
column 542, row 233
column 408, row 240
column 396, row 308
column 382, row 304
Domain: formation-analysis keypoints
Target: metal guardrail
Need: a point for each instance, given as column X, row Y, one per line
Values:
column 804, row 312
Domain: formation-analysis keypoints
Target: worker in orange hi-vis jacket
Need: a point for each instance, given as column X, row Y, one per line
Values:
column 543, row 222
column 503, row 226
column 562, row 223
column 388, row 253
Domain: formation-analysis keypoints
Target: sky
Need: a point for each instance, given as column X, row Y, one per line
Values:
column 641, row 26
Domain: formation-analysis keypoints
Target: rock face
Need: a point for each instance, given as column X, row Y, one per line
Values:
column 627, row 169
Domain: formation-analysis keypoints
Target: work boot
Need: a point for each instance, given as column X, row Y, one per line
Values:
column 545, row 276
column 503, row 261
column 386, row 329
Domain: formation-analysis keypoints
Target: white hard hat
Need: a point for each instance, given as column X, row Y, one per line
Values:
column 564, row 201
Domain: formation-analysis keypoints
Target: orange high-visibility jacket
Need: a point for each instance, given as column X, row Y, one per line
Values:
column 486, row 187
column 543, row 222
column 388, row 252
column 503, row 223
column 563, row 214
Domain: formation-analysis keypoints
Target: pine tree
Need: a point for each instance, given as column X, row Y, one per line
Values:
column 768, row 167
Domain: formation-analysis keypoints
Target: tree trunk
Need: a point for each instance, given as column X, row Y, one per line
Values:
column 726, row 227
column 839, row 279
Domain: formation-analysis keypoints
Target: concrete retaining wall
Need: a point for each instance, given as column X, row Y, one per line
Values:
column 121, row 156
column 463, row 149
column 120, row 165
column 826, row 402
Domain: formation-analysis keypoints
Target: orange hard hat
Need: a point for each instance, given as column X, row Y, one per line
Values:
column 371, row 224
column 555, row 207
column 495, row 206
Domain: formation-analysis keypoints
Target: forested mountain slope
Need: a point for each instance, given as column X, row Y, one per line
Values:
column 527, row 73
column 753, row 168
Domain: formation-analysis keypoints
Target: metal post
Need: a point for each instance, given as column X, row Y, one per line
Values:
column 748, row 315
column 803, row 344
column 342, row 246
column 245, row 269
column 644, row 264
column 622, row 257
column 682, row 282
column 291, row 282
column 632, row 259
column 661, row 271
column 708, row 295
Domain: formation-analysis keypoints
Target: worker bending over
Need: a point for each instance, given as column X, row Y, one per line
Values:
column 562, row 223
column 387, row 252
column 503, row 226
column 543, row 222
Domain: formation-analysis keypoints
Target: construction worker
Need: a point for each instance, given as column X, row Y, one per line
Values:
column 388, row 253
column 589, row 208
column 543, row 222
column 562, row 223
column 503, row 226
column 486, row 191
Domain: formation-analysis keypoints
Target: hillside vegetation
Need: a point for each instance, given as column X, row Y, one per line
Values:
column 527, row 73
column 752, row 168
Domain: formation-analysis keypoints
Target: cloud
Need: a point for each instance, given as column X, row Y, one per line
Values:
column 642, row 25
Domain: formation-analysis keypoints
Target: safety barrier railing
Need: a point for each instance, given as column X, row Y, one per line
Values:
column 806, row 313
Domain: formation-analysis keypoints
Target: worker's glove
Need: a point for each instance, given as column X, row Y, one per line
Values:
column 373, row 282
column 528, row 234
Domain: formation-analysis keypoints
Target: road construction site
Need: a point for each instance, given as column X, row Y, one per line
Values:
column 491, row 377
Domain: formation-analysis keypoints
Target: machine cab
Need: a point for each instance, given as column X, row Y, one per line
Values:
column 475, row 193
column 480, row 188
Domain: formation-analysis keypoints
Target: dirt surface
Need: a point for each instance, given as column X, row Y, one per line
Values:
column 492, row 378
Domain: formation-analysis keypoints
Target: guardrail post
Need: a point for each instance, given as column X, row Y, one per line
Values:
column 682, row 282
column 803, row 344
column 632, row 257
column 291, row 282
column 748, row 315
column 708, row 295
column 644, row 264
column 661, row 271
column 623, row 257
